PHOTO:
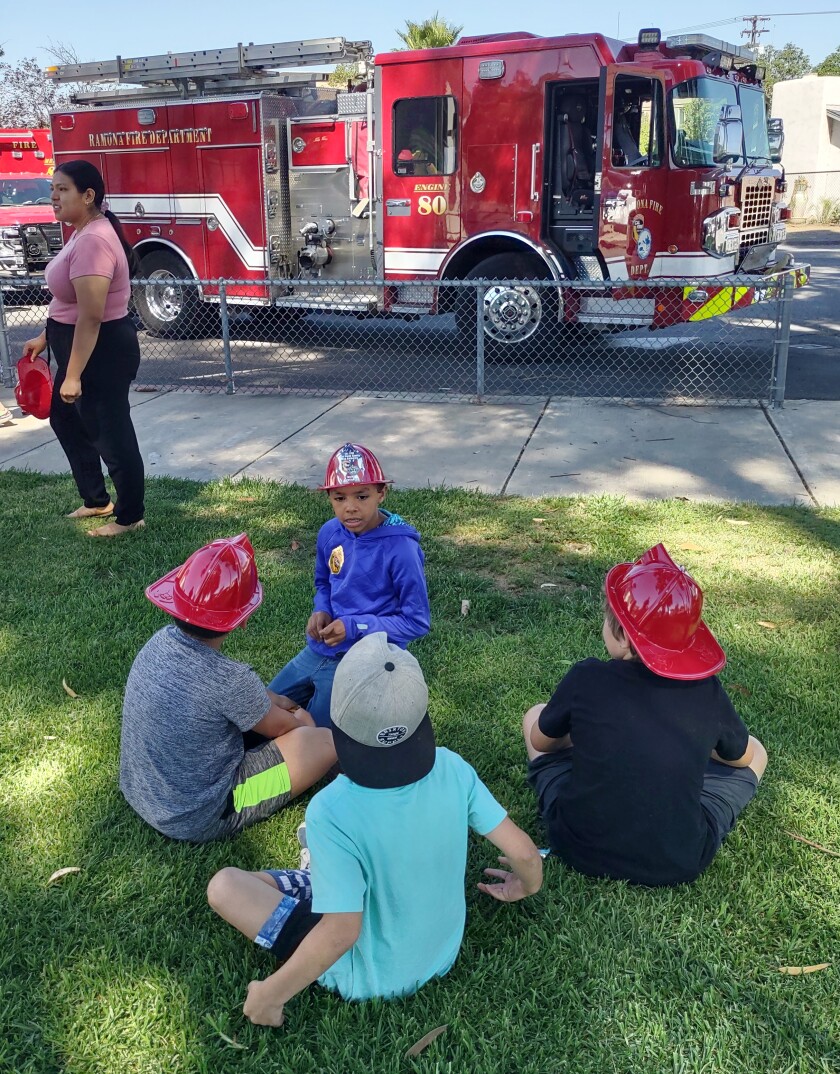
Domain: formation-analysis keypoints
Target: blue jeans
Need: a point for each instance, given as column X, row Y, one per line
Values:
column 307, row 679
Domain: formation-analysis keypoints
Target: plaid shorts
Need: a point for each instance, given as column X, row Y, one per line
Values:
column 292, row 919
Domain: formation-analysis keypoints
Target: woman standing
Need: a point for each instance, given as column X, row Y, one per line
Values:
column 94, row 343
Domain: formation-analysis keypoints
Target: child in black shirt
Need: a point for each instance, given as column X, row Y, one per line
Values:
column 640, row 763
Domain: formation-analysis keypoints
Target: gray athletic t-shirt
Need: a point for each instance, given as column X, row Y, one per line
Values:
column 185, row 709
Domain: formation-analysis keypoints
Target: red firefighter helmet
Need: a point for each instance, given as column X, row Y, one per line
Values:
column 217, row 588
column 659, row 607
column 34, row 387
column 353, row 464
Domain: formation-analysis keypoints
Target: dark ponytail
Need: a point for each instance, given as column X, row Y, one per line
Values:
column 87, row 176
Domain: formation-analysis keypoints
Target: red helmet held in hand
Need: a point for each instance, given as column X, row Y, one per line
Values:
column 660, row 607
column 353, row 464
column 216, row 588
column 34, row 387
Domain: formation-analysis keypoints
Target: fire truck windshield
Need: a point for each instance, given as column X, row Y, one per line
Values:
column 24, row 192
column 695, row 109
column 754, row 114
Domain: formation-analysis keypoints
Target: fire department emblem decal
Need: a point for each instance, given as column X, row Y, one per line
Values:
column 350, row 465
column 336, row 559
column 643, row 237
column 644, row 244
column 478, row 183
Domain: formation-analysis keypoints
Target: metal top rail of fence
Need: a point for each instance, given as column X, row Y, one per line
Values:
column 720, row 341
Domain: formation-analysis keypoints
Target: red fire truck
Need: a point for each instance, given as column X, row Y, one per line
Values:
column 510, row 158
column 29, row 235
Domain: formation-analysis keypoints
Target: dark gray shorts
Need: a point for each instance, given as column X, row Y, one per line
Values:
column 262, row 787
column 726, row 790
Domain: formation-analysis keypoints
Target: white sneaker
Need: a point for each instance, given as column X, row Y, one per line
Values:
column 304, row 849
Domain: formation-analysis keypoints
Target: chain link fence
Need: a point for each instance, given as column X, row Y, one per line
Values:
column 814, row 197
column 659, row 341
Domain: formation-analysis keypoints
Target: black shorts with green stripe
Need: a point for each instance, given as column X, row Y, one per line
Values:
column 261, row 788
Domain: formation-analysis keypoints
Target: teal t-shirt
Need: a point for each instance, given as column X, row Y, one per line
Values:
column 399, row 856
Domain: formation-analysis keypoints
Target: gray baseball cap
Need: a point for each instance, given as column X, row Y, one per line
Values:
column 380, row 720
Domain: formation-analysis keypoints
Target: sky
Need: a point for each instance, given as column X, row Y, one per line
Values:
column 149, row 27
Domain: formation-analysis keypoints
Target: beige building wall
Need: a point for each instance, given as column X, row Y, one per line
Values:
column 812, row 145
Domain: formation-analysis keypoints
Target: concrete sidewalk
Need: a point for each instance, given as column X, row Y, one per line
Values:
column 553, row 446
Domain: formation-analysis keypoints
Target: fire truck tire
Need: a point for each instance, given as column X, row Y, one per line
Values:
column 169, row 308
column 519, row 319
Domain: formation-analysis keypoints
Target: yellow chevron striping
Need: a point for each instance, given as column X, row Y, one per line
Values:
column 719, row 304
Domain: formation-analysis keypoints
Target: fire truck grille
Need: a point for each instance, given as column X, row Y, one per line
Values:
column 756, row 210
column 41, row 242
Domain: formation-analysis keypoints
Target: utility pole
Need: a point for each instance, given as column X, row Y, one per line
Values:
column 754, row 32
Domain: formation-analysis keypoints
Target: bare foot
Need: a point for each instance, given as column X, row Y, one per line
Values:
column 92, row 512
column 114, row 529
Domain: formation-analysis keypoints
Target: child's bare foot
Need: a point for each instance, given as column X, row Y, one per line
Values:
column 92, row 512
column 114, row 529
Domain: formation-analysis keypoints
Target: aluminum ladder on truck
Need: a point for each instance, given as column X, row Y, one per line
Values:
column 225, row 70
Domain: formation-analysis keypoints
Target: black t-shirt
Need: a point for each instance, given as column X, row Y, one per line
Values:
column 631, row 809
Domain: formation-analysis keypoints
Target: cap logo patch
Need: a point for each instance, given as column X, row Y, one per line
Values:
column 390, row 736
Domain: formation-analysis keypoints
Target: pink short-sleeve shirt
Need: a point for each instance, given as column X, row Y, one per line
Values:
column 94, row 251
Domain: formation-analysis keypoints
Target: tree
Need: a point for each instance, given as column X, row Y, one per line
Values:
column 435, row 32
column 26, row 95
column 344, row 73
column 782, row 64
column 830, row 65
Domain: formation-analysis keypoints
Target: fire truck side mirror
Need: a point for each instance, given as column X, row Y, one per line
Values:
column 729, row 135
column 776, row 138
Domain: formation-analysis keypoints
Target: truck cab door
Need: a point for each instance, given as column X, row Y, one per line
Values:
column 631, row 184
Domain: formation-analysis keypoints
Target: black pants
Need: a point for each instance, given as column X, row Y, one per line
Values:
column 98, row 425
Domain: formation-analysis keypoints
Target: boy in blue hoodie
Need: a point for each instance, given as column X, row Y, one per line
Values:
column 368, row 578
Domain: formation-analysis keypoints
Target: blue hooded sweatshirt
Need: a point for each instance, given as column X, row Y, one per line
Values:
column 371, row 581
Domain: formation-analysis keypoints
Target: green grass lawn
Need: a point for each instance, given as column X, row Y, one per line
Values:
column 122, row 968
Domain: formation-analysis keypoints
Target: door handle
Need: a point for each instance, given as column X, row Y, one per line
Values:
column 535, row 194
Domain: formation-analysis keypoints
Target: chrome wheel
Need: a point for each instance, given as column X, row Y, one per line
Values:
column 165, row 297
column 511, row 313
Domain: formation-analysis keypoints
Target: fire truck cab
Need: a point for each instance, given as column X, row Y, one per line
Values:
column 509, row 158
column 29, row 235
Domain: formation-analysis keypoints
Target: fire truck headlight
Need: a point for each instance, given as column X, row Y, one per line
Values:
column 721, row 234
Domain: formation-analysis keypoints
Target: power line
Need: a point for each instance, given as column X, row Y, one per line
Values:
column 749, row 18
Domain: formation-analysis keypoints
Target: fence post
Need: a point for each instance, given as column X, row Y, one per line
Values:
column 782, row 343
column 230, row 388
column 479, row 341
column 6, row 377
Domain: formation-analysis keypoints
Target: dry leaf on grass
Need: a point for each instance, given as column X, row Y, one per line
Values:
column 811, row 843
column 766, row 624
column 689, row 547
column 231, row 1042
column 465, row 607
column 424, row 1042
column 295, row 545
column 59, row 873
column 538, row 520
column 50, row 738
column 795, row 971
column 548, row 585
column 68, row 690
column 739, row 689
column 736, row 521
column 246, row 499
